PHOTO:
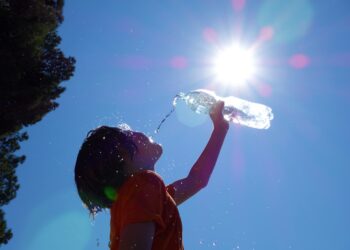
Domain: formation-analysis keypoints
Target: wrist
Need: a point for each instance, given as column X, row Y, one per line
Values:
column 222, row 126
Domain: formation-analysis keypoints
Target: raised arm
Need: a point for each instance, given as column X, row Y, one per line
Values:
column 200, row 173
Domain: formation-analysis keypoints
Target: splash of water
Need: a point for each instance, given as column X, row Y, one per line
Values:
column 124, row 126
column 178, row 96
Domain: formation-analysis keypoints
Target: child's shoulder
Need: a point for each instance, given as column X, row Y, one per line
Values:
column 144, row 180
column 149, row 176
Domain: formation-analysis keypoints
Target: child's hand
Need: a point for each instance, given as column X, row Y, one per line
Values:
column 217, row 116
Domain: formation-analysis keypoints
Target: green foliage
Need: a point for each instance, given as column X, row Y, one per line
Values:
column 5, row 234
column 32, row 67
column 9, row 163
column 31, row 64
column 8, row 178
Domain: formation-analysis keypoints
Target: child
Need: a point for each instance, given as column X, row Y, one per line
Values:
column 115, row 170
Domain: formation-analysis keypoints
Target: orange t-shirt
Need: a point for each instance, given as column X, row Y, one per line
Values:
column 144, row 197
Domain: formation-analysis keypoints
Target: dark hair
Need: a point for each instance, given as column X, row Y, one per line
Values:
column 99, row 168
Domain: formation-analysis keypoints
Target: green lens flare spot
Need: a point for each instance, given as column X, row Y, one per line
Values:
column 110, row 193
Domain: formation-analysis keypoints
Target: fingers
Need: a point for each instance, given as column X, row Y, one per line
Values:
column 217, row 116
column 218, row 107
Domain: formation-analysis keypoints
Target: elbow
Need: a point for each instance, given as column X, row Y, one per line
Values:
column 205, row 184
column 200, row 184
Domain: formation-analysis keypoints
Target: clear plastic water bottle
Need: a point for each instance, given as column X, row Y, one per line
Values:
column 236, row 110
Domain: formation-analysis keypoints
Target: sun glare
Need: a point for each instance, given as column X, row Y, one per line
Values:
column 234, row 65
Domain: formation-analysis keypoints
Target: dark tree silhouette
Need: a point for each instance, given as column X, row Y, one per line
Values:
column 32, row 67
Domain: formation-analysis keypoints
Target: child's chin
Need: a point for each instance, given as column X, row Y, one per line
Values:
column 156, row 156
column 154, row 153
column 157, row 150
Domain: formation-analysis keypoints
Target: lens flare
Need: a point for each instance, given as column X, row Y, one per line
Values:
column 299, row 61
column 210, row 35
column 238, row 5
column 178, row 62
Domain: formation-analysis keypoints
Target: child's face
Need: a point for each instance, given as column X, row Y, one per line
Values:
column 148, row 151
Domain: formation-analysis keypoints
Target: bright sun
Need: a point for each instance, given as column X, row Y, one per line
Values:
column 234, row 65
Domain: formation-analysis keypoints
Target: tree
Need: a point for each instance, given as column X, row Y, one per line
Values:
column 8, row 178
column 32, row 67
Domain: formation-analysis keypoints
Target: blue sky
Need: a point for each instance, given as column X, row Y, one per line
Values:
column 282, row 188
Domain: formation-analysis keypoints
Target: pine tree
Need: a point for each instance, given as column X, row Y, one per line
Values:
column 32, row 67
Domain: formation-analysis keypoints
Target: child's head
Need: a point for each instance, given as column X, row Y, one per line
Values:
column 107, row 157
